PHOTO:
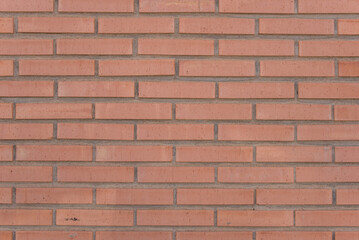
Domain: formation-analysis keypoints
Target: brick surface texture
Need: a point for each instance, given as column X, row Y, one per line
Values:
column 179, row 119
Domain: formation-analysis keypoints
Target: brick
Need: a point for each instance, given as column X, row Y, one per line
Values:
column 56, row 25
column 53, row 111
column 5, row 197
column 136, row 25
column 216, row 25
column 249, row 218
column 294, row 235
column 317, row 154
column 87, row 217
column 94, row 46
column 53, row 195
column 255, row 175
column 53, row 153
column 6, row 110
column 256, row 47
column 333, row 90
column 26, row 89
column 347, row 196
column 26, row 47
column 215, row 196
column 95, row 131
column 25, row 174
column 6, row 235
column 25, row 217
column 256, row 6
column 296, row 26
column 93, row 89
column 176, row 89
column 214, row 235
column 348, row 69
column 327, row 174
column 6, row 25
column 348, row 26
column 347, row 235
column 56, row 67
column 6, row 153
column 346, row 112
column 133, row 235
column 6, row 67
column 175, row 217
column 134, row 196
column 297, row 68
column 94, row 174
column 216, row 68
column 327, row 218
column 133, row 111
column 135, row 67
column 175, row 132
column 136, row 153
column 26, row 131
column 328, row 6
column 328, row 132
column 346, row 154
column 148, row 6
column 175, row 174
column 223, row 154
column 112, row 6
column 256, row 90
column 53, row 235
column 294, row 196
column 194, row 47
column 329, row 48
column 267, row 111
column 26, row 6
column 245, row 132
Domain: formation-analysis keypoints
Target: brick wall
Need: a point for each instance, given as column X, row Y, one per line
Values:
column 179, row 119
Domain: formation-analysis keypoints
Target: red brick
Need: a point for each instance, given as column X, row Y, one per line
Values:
column 175, row 47
column 328, row 6
column 297, row 68
column 347, row 196
column 296, row 26
column 103, row 89
column 26, row 131
column 346, row 112
column 346, row 154
column 214, row 154
column 216, row 68
column 26, row 6
column 53, row 235
column 133, row 153
column 214, row 235
column 6, row 152
column 87, row 217
column 294, row 196
column 113, row 6
column 95, row 131
column 329, row 48
column 175, row 218
column 175, row 132
column 293, row 154
column 256, row 47
column 6, row 25
column 175, row 174
column 56, row 67
column 6, row 235
column 5, row 197
column 293, row 235
column 94, row 174
column 176, row 89
column 26, row 89
column 348, row 69
column 215, row 196
column 327, row 174
column 6, row 110
column 236, row 132
column 26, row 47
column 216, row 25
column 25, row 217
column 133, row 111
column 328, row 132
column 6, row 67
column 53, row 153
column 136, row 25
column 133, row 235
column 347, row 235
column 256, row 90
column 134, row 196
column 54, row 195
column 327, row 218
column 25, row 174
column 308, row 112
column 177, row 6
column 135, row 67
column 249, row 218
column 333, row 90
column 56, row 25
column 348, row 26
column 53, row 111
column 94, row 46
column 256, row 6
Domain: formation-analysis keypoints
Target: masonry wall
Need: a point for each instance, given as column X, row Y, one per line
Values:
column 179, row 119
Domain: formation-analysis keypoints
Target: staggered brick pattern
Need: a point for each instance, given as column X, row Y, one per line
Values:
column 179, row 119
